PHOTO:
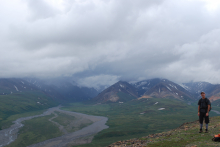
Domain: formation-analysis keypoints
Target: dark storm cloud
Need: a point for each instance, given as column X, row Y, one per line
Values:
column 100, row 42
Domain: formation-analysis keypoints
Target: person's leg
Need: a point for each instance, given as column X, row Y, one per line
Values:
column 201, row 124
column 201, row 116
column 207, row 122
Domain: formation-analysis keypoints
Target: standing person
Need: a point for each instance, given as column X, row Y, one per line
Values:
column 203, row 111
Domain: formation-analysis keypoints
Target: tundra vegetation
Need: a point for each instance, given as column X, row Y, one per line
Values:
column 137, row 118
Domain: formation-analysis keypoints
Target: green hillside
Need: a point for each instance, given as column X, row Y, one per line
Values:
column 36, row 130
column 137, row 118
column 22, row 102
column 187, row 135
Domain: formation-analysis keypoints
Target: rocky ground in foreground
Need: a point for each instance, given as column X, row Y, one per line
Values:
column 187, row 135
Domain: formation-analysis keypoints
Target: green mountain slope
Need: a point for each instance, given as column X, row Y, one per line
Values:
column 22, row 102
column 18, row 96
column 187, row 135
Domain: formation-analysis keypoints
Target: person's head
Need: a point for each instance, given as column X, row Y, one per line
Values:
column 203, row 94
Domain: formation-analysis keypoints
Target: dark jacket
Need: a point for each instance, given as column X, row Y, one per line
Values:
column 203, row 103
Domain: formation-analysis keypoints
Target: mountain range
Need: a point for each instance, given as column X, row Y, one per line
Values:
column 64, row 90
column 212, row 90
column 162, row 88
column 158, row 88
column 60, row 90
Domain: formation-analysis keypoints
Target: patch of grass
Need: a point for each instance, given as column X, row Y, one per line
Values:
column 8, row 122
column 64, row 119
column 68, row 122
column 85, row 124
column 126, row 122
column 36, row 130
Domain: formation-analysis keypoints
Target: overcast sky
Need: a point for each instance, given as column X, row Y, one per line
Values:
column 102, row 41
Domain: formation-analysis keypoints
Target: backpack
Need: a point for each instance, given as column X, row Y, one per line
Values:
column 216, row 138
column 206, row 101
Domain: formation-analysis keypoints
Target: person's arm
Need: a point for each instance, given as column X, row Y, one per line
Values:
column 198, row 110
column 209, row 104
column 208, row 109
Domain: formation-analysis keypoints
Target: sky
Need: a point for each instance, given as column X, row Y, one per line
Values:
column 98, row 42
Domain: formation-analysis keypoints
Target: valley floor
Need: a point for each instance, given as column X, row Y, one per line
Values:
column 73, row 128
column 137, row 118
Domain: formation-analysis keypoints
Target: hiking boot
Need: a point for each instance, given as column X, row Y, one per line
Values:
column 200, row 131
column 206, row 131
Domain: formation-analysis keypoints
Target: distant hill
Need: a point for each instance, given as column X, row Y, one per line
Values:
column 196, row 87
column 12, row 85
column 19, row 96
column 64, row 89
column 214, row 94
column 59, row 89
column 162, row 88
column 212, row 90
column 119, row 92
column 30, row 94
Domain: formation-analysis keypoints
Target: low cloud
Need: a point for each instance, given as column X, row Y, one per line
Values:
column 98, row 81
column 105, row 41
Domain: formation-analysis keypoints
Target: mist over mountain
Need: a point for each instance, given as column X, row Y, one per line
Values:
column 64, row 88
column 139, row 40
